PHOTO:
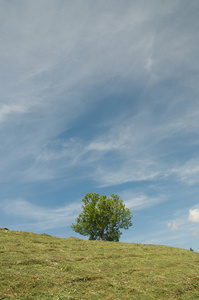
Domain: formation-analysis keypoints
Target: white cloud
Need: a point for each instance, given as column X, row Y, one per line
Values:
column 12, row 109
column 139, row 201
column 184, row 223
column 137, row 171
column 174, row 225
column 188, row 172
column 194, row 215
column 40, row 218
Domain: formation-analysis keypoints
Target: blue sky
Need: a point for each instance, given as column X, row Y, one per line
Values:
column 100, row 96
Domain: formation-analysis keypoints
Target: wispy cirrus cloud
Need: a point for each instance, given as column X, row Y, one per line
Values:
column 35, row 217
column 141, row 148
column 8, row 110
column 83, row 58
column 139, row 201
column 188, row 172
column 174, row 225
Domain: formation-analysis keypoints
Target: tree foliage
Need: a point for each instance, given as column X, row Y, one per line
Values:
column 102, row 217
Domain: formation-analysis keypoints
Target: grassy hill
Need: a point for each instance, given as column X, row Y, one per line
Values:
column 44, row 267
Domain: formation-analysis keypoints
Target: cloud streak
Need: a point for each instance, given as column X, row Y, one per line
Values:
column 9, row 110
column 140, row 201
column 40, row 218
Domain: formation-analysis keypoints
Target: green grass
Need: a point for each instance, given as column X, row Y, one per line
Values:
column 44, row 267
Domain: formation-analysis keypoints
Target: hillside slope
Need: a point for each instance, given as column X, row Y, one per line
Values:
column 44, row 267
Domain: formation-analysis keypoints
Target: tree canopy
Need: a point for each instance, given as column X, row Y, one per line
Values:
column 102, row 217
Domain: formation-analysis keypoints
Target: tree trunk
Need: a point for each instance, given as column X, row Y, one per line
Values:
column 102, row 235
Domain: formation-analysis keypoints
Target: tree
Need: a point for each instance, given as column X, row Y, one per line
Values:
column 102, row 217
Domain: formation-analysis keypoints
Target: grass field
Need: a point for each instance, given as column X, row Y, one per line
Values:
column 44, row 267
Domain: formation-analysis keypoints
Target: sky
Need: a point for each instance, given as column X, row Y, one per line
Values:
column 100, row 96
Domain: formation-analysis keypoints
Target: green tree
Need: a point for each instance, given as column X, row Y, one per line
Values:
column 102, row 217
